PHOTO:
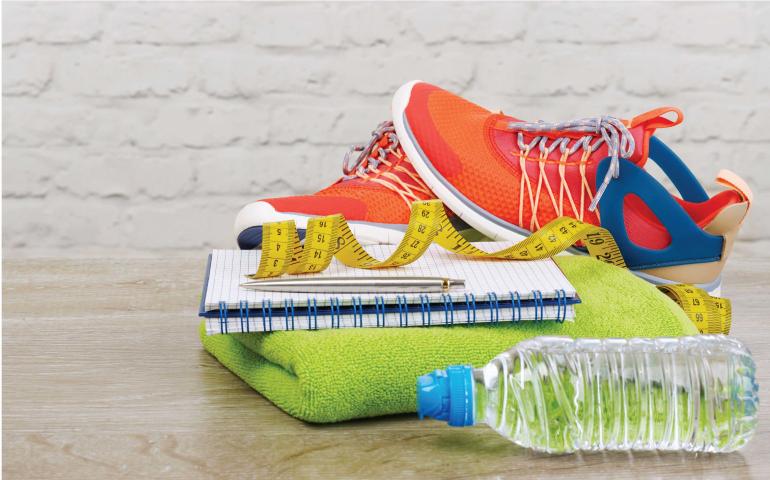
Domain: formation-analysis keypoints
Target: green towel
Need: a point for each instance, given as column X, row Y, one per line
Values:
column 332, row 375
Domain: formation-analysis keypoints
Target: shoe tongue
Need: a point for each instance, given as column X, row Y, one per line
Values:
column 643, row 126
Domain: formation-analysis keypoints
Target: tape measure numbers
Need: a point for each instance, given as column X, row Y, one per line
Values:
column 330, row 237
column 709, row 314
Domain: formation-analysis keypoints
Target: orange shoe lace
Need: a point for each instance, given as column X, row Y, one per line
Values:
column 372, row 164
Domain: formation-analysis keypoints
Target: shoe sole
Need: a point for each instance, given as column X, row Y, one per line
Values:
column 249, row 221
column 713, row 288
column 493, row 227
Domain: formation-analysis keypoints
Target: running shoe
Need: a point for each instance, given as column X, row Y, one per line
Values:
column 507, row 177
column 375, row 195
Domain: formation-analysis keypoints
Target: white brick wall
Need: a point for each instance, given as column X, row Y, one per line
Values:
column 141, row 126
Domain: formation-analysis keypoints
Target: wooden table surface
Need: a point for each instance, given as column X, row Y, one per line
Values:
column 104, row 377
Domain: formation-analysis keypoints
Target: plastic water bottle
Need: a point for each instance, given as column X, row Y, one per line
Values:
column 558, row 395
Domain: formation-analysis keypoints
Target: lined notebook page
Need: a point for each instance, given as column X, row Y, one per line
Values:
column 228, row 268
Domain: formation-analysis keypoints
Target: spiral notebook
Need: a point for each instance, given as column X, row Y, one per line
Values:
column 495, row 291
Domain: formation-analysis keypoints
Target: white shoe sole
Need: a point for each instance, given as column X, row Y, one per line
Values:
column 713, row 288
column 254, row 215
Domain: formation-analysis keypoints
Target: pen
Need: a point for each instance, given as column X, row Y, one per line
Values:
column 356, row 284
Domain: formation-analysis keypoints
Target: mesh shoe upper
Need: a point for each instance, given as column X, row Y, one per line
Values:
column 529, row 173
column 378, row 188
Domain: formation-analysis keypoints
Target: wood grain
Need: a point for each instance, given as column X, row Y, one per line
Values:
column 104, row 377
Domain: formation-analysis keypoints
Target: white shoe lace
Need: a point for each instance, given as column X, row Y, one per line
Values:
column 612, row 131
column 367, row 165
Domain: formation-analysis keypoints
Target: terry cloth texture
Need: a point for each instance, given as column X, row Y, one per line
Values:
column 332, row 375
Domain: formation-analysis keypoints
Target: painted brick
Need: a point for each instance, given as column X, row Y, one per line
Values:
column 153, row 175
column 146, row 126
column 647, row 72
column 200, row 125
column 574, row 23
column 246, row 74
column 710, row 25
column 754, row 229
column 367, row 24
column 193, row 224
column 717, row 121
column 756, row 128
column 27, row 70
column 762, row 16
column 289, row 124
column 52, row 22
column 35, row 124
column 297, row 25
column 61, row 222
column 172, row 24
column 266, row 171
column 436, row 23
column 559, row 71
column 326, row 124
column 30, row 171
column 123, row 72
column 451, row 68
column 756, row 80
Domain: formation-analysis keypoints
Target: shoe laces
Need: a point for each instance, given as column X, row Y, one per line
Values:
column 372, row 164
column 599, row 130
column 614, row 133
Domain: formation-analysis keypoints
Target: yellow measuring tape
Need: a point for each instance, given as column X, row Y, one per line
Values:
column 709, row 314
column 330, row 237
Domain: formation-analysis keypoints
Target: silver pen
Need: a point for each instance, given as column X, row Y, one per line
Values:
column 355, row 284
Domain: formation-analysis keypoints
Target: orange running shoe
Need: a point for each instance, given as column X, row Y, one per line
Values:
column 507, row 178
column 375, row 195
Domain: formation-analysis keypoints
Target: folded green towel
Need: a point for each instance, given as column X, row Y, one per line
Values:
column 333, row 375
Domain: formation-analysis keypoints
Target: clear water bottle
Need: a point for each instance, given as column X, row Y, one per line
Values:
column 558, row 395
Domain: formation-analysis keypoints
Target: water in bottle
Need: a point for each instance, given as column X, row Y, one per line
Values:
column 557, row 395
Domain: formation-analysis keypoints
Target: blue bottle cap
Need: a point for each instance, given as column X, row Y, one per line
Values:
column 447, row 395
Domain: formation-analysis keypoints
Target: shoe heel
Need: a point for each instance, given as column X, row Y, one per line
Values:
column 726, row 224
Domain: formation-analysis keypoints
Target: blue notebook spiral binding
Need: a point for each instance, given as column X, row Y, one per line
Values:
column 494, row 307
column 358, row 312
column 425, row 309
column 288, row 309
column 515, row 306
column 267, row 316
column 334, row 311
column 312, row 314
column 403, row 311
column 243, row 310
column 561, row 306
column 470, row 306
column 223, row 317
column 449, row 309
column 379, row 311
column 260, row 319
